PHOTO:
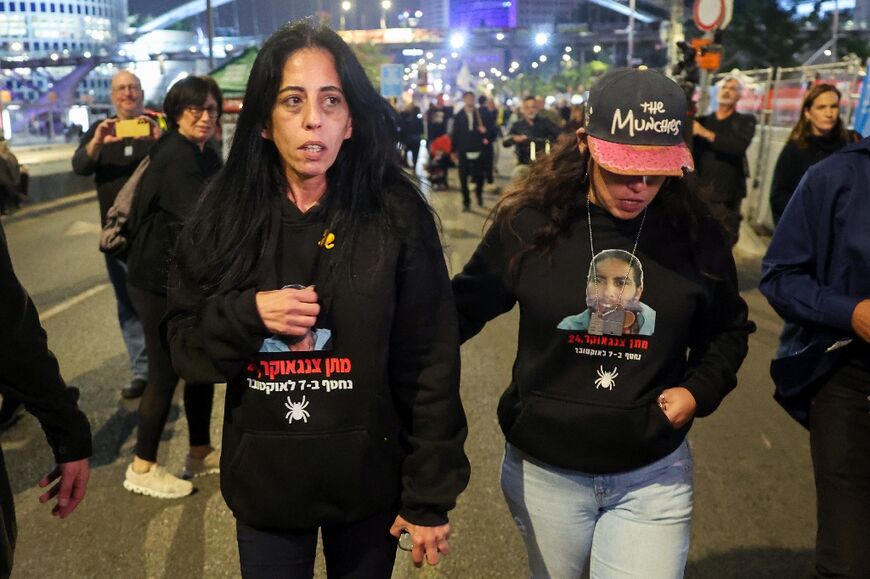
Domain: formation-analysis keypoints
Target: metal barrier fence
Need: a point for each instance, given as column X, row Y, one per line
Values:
column 776, row 103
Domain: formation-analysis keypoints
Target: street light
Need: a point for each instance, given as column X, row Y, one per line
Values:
column 596, row 49
column 345, row 8
column 457, row 40
column 385, row 5
column 541, row 38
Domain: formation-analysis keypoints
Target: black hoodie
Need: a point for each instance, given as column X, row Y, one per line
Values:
column 336, row 435
column 588, row 402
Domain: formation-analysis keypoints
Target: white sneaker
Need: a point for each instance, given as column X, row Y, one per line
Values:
column 157, row 482
column 211, row 464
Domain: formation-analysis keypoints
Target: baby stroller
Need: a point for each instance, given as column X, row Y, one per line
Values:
column 439, row 162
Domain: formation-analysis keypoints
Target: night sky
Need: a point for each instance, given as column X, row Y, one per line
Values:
column 264, row 16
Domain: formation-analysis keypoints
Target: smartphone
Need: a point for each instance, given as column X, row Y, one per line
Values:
column 132, row 128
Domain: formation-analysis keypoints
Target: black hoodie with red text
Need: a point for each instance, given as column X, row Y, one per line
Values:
column 587, row 402
column 361, row 415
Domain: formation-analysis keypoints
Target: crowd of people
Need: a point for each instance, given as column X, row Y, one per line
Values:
column 312, row 246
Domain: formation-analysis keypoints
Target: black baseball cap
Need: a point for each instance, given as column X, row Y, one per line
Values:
column 635, row 121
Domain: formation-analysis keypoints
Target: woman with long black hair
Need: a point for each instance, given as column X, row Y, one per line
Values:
column 311, row 279
column 596, row 463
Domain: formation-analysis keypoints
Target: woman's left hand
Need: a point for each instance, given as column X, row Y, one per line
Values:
column 678, row 404
column 428, row 542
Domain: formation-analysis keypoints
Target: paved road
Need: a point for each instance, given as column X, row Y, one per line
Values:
column 754, row 498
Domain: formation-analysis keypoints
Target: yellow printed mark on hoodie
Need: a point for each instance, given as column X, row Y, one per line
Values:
column 327, row 241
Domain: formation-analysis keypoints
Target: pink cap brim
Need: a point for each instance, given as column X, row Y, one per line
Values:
column 673, row 160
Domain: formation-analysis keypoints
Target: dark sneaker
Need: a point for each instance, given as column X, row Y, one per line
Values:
column 134, row 389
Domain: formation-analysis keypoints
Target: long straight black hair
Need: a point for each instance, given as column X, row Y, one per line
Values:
column 232, row 220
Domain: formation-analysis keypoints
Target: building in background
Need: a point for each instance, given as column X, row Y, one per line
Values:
column 41, row 28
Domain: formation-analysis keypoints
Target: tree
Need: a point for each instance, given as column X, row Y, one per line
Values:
column 371, row 58
column 762, row 33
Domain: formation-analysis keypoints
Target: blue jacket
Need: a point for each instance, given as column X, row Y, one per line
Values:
column 816, row 270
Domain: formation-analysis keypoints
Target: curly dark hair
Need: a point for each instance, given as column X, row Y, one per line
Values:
column 556, row 185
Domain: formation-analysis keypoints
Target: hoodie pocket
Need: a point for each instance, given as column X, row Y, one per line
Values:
column 593, row 438
column 296, row 482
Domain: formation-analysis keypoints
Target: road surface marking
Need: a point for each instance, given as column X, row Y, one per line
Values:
column 67, row 304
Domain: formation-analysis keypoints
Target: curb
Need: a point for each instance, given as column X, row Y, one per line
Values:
column 40, row 209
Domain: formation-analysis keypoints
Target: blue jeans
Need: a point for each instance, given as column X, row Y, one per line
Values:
column 131, row 327
column 633, row 524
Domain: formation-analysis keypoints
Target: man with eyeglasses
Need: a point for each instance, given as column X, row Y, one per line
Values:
column 112, row 160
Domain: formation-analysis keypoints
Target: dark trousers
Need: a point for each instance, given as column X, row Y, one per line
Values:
column 8, row 529
column 729, row 214
column 840, row 444
column 131, row 326
column 412, row 145
column 487, row 158
column 471, row 168
column 363, row 550
column 162, row 379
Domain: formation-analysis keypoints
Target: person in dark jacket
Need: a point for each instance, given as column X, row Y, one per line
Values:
column 597, row 412
column 112, row 160
column 438, row 119
column 489, row 117
column 29, row 373
column 469, row 140
column 532, row 135
column 720, row 142
column 411, row 133
column 313, row 229
column 816, row 275
column 819, row 132
column 181, row 165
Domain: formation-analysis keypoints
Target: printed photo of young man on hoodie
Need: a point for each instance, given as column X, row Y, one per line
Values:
column 615, row 280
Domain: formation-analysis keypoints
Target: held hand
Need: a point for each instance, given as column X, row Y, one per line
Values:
column 288, row 312
column 429, row 542
column 70, row 489
column 861, row 320
column 156, row 131
column 678, row 404
column 104, row 133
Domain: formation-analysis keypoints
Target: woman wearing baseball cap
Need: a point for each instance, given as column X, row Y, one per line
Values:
column 596, row 415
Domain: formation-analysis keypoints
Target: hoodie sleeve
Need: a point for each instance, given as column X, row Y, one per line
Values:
column 481, row 289
column 210, row 338
column 720, row 336
column 29, row 371
column 424, row 376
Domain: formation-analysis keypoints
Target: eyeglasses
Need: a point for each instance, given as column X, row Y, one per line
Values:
column 127, row 87
column 197, row 111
